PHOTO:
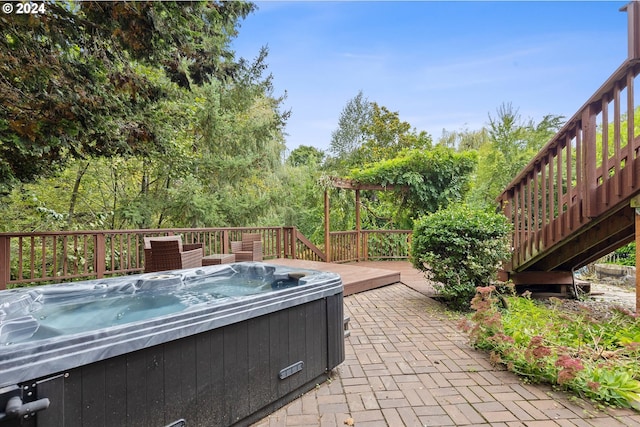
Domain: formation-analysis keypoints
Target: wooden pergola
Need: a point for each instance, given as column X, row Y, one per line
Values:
column 349, row 184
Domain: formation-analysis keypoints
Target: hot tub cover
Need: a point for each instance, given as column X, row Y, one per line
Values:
column 51, row 328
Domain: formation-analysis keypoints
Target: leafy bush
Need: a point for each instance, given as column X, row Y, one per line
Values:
column 625, row 255
column 594, row 358
column 460, row 248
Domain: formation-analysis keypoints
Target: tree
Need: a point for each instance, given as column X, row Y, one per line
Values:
column 512, row 143
column 387, row 136
column 87, row 70
column 350, row 134
column 214, row 131
column 305, row 155
column 464, row 140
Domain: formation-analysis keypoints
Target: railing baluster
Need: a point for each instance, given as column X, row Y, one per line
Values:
column 85, row 251
column 20, row 258
column 65, row 256
column 604, row 188
column 515, row 218
column 569, row 184
column 530, row 213
column 630, row 131
column 545, row 207
column 552, row 204
column 43, row 265
column 536, row 209
column 559, row 195
column 54, row 261
column 617, row 117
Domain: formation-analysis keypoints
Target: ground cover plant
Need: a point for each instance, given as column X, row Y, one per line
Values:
column 593, row 357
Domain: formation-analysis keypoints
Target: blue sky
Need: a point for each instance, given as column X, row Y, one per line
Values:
column 440, row 65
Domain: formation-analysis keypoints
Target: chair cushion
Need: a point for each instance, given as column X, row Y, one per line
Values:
column 147, row 240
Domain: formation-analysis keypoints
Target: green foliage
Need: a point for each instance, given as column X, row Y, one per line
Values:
column 465, row 139
column 610, row 132
column 433, row 178
column 369, row 133
column 595, row 358
column 300, row 200
column 97, row 73
column 512, row 143
column 386, row 137
column 204, row 150
column 305, row 155
column 349, row 136
column 460, row 248
column 625, row 255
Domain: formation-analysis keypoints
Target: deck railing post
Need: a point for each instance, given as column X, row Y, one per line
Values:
column 294, row 241
column 5, row 261
column 225, row 242
column 279, row 236
column 633, row 26
column 100, row 255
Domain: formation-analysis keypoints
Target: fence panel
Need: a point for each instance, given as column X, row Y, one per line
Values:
column 386, row 244
column 32, row 258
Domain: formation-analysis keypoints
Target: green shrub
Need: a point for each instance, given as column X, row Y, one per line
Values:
column 460, row 248
column 625, row 255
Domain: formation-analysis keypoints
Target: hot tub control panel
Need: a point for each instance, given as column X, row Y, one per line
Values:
column 290, row 370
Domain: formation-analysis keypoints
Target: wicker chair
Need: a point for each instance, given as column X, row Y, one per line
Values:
column 249, row 248
column 168, row 253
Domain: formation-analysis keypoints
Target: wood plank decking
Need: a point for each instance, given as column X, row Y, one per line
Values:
column 357, row 277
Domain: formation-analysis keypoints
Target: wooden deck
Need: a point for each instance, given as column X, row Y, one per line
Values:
column 356, row 277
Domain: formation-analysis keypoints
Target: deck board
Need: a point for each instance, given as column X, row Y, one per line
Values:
column 355, row 277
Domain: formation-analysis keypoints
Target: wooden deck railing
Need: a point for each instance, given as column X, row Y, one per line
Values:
column 27, row 258
column 300, row 247
column 63, row 256
column 587, row 173
column 374, row 245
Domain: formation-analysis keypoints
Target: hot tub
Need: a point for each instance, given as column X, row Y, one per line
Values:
column 211, row 346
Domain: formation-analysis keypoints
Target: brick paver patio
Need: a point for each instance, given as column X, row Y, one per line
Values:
column 407, row 364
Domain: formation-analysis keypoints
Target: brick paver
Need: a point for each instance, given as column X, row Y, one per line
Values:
column 407, row 364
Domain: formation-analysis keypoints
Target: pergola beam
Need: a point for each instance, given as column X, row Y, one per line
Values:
column 349, row 184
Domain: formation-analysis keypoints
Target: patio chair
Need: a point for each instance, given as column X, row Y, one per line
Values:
column 168, row 253
column 249, row 248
